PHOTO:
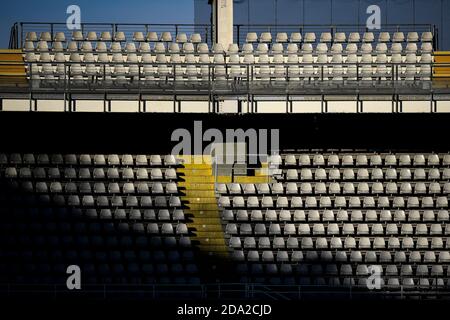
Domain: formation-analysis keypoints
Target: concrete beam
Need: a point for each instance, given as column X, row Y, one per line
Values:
column 223, row 22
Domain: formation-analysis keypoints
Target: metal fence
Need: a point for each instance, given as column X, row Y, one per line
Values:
column 241, row 30
column 20, row 29
column 223, row 291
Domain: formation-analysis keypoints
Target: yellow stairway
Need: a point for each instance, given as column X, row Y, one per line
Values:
column 12, row 68
column 203, row 210
column 204, row 215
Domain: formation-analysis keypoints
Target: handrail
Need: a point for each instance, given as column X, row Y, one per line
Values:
column 14, row 39
column 233, row 289
column 207, row 30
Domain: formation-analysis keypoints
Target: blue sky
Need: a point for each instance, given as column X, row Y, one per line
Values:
column 129, row 11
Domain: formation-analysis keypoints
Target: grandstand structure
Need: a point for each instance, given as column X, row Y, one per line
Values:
column 361, row 176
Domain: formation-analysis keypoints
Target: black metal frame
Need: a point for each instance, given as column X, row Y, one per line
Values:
column 17, row 37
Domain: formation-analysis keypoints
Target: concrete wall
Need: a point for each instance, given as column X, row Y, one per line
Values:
column 337, row 12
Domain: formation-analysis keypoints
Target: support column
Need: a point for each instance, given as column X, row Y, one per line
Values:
column 223, row 21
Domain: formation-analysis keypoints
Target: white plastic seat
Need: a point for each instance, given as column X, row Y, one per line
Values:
column 119, row 36
column 368, row 37
column 166, row 37
column 398, row 37
column 282, row 37
column 277, row 48
column 292, row 48
column 310, row 37
column 42, row 46
column 336, row 48
column 354, row 37
column 251, row 37
column 262, row 48
column 384, row 37
column 77, row 35
column 296, row 37
column 195, row 38
column 307, row 48
column 413, row 37
column 151, row 36
column 235, row 188
column 427, row 36
column 340, row 37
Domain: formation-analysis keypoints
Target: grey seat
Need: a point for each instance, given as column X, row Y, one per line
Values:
column 419, row 160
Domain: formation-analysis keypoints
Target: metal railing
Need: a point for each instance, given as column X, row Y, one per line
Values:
column 224, row 291
column 241, row 30
column 212, row 73
column 17, row 39
column 127, row 28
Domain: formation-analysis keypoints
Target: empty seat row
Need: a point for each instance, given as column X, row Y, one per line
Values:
column 105, row 256
column 341, row 215
column 333, row 270
column 123, row 74
column 278, row 244
column 139, row 229
column 362, row 160
column 128, row 47
column 98, row 201
column 340, row 256
column 338, row 37
column 165, row 242
column 265, row 37
column 333, row 229
column 104, row 214
column 105, row 267
column 87, row 160
column 43, row 47
column 384, row 257
column 376, row 243
column 45, row 59
column 367, row 174
column 337, row 202
column 336, row 188
column 99, row 187
column 87, row 173
column 255, row 274
column 118, row 36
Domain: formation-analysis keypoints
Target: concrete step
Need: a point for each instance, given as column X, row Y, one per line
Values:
column 224, row 179
column 209, row 241
column 199, row 179
column 196, row 159
column 189, row 172
column 218, row 249
column 209, row 235
column 201, row 227
column 200, row 193
column 202, row 207
column 258, row 179
column 206, row 215
column 196, row 186
column 208, row 220
column 211, row 200
column 12, row 64
column 213, row 254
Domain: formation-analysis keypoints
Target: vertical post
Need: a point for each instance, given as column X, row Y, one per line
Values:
column 52, row 31
column 21, row 35
column 223, row 22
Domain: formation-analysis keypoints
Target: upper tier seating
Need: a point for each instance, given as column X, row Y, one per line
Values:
column 164, row 56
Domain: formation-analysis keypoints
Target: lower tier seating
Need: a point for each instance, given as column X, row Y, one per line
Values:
column 119, row 218
column 329, row 218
